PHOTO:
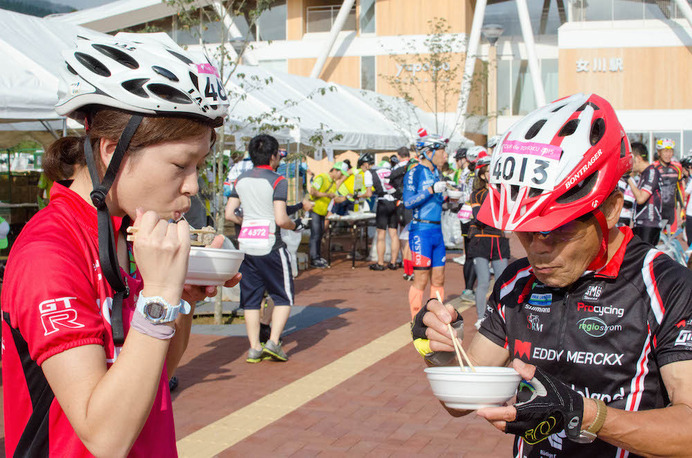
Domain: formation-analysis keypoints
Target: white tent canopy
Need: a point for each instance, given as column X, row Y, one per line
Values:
column 307, row 107
column 30, row 48
column 408, row 118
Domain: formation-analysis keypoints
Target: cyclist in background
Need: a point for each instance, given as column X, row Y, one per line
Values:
column 423, row 193
column 672, row 185
column 686, row 164
column 647, row 196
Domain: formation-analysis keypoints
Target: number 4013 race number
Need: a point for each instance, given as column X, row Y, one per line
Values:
column 526, row 164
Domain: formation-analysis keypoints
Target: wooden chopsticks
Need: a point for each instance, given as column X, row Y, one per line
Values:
column 197, row 240
column 461, row 354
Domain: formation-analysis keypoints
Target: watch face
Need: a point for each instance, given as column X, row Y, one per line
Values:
column 155, row 310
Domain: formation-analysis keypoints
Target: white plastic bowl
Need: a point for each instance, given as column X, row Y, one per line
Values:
column 454, row 194
column 212, row 266
column 487, row 387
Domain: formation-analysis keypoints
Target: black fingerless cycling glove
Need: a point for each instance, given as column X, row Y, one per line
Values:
column 546, row 406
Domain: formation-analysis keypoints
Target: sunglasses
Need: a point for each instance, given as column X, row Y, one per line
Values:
column 572, row 230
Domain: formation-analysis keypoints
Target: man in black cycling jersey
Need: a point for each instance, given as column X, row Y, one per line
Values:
column 598, row 322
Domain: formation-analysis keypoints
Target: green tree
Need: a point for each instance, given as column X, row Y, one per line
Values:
column 429, row 76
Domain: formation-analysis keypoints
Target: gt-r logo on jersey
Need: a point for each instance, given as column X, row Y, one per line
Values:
column 522, row 349
column 56, row 313
column 684, row 338
column 593, row 292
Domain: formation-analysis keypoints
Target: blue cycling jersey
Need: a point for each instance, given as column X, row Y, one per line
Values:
column 426, row 206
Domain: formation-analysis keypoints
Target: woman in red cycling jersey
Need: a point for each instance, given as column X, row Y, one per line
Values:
column 93, row 325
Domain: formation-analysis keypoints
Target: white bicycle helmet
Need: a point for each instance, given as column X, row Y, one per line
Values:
column 665, row 143
column 494, row 140
column 142, row 73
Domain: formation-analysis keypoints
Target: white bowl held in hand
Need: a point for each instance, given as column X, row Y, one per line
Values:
column 468, row 390
column 454, row 194
column 212, row 266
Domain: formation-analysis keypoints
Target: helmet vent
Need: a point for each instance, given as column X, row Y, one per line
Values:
column 558, row 108
column 513, row 191
column 194, row 79
column 588, row 104
column 117, row 55
column 569, row 128
column 597, row 131
column 578, row 191
column 533, row 130
column 535, row 192
column 92, row 64
column 170, row 94
column 165, row 73
column 71, row 70
column 623, row 148
column 180, row 56
column 136, row 87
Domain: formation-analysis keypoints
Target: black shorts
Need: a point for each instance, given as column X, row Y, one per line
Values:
column 386, row 215
column 271, row 272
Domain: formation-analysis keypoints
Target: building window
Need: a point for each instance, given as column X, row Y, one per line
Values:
column 275, row 65
column 504, row 91
column 321, row 18
column 367, row 16
column 271, row 24
column 515, row 94
column 621, row 10
column 367, row 73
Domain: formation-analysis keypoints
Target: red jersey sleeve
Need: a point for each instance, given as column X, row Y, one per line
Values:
column 51, row 298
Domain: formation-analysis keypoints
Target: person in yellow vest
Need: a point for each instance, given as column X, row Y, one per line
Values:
column 359, row 183
column 322, row 191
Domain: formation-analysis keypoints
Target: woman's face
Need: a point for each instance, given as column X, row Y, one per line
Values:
column 160, row 178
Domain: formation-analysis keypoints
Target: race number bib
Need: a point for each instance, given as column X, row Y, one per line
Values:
column 358, row 183
column 465, row 213
column 257, row 237
column 213, row 88
column 526, row 164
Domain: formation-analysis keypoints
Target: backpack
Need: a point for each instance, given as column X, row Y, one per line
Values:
column 396, row 180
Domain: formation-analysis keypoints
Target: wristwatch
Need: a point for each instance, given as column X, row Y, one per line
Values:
column 157, row 310
column 589, row 434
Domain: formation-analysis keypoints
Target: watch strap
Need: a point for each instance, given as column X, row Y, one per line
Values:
column 158, row 331
column 600, row 417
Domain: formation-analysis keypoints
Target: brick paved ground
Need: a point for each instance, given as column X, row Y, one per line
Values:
column 385, row 410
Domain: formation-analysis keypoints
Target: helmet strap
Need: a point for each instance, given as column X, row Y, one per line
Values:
column 601, row 258
column 106, row 235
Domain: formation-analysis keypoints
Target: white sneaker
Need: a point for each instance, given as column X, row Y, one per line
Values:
column 478, row 324
column 460, row 260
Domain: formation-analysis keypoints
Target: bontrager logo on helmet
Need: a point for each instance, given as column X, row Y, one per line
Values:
column 558, row 163
column 142, row 73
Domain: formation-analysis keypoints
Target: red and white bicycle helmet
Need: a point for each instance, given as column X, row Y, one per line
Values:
column 475, row 153
column 142, row 73
column 556, row 164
